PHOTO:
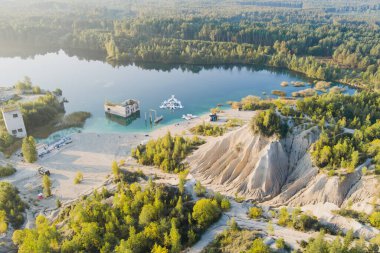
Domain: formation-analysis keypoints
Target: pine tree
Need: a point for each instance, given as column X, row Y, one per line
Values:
column 175, row 237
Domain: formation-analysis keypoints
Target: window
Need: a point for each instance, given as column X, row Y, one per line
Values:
column 14, row 132
column 15, row 115
column 19, row 130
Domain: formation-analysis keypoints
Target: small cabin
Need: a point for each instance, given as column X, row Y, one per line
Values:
column 213, row 117
column 14, row 121
column 125, row 109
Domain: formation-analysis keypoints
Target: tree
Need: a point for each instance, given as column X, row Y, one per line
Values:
column 158, row 249
column 147, row 215
column 29, row 149
column 283, row 217
column 43, row 238
column 46, row 184
column 175, row 237
column 205, row 211
column 182, row 180
column 319, row 245
column 115, row 169
column 199, row 189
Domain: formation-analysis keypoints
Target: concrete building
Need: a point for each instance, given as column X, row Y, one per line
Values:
column 13, row 121
column 125, row 109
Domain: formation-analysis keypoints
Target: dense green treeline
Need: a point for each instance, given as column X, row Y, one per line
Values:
column 135, row 219
column 311, row 43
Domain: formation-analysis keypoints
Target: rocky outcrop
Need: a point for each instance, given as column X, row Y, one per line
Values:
column 240, row 163
column 254, row 166
column 275, row 172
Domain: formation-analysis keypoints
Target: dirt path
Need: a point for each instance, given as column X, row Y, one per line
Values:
column 239, row 211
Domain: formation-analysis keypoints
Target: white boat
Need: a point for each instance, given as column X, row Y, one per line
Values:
column 189, row 116
column 171, row 104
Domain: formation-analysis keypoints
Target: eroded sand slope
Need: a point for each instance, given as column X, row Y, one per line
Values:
column 276, row 172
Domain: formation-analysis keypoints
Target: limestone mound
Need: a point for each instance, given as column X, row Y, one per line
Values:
column 275, row 172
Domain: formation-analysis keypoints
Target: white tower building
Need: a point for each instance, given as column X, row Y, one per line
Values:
column 14, row 122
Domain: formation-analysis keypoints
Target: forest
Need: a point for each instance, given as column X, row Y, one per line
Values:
column 315, row 43
column 136, row 218
column 350, row 129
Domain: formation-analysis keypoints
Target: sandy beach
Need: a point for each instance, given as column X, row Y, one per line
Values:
column 92, row 154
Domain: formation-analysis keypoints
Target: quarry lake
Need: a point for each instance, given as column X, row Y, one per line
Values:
column 88, row 84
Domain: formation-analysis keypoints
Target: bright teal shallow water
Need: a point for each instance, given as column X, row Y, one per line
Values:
column 87, row 84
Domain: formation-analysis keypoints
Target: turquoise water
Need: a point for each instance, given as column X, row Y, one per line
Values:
column 88, row 84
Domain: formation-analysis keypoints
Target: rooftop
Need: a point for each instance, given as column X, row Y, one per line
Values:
column 10, row 108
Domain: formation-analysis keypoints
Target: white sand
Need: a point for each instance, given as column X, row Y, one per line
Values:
column 92, row 154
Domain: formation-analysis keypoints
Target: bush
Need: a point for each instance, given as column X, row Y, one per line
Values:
column 115, row 169
column 251, row 103
column 7, row 170
column 280, row 243
column 208, row 130
column 374, row 219
column 233, row 123
column 255, row 212
column 258, row 246
column 283, row 218
column 225, row 204
column 78, row 178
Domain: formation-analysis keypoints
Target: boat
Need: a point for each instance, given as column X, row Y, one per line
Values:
column 189, row 116
column 124, row 109
column 171, row 104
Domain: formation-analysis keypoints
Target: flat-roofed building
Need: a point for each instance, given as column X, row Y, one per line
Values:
column 125, row 109
column 14, row 121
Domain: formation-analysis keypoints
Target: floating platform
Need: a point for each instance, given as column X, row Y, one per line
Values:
column 171, row 104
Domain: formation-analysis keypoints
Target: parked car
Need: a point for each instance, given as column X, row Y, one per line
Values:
column 42, row 171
